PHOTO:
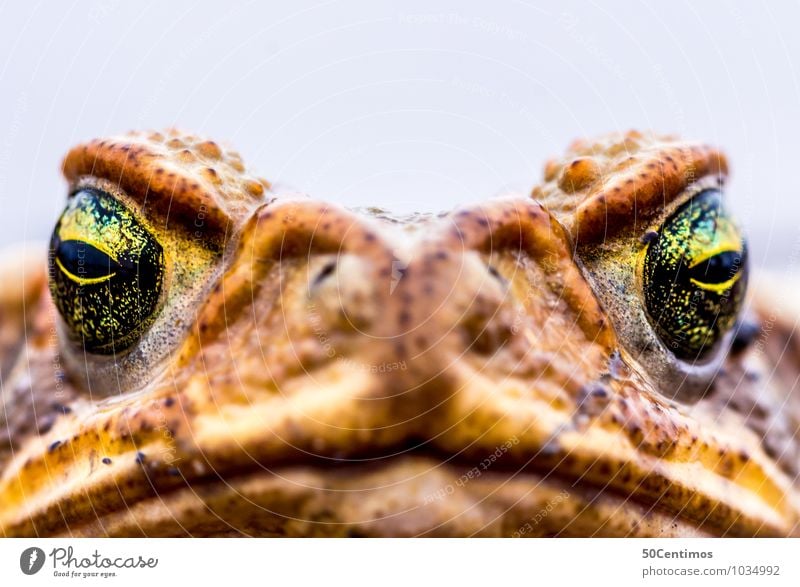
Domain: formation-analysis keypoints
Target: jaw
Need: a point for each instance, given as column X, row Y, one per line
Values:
column 406, row 496
column 488, row 461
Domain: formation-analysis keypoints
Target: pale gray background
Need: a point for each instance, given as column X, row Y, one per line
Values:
column 407, row 105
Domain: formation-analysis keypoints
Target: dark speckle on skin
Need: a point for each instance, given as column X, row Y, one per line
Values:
column 751, row 376
column 46, row 424
column 326, row 272
column 54, row 445
column 649, row 237
column 599, row 391
column 58, row 407
column 496, row 274
column 593, row 399
column 106, row 461
column 404, row 318
column 139, row 458
column 744, row 334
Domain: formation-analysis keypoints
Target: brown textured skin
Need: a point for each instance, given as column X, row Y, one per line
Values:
column 345, row 373
column 615, row 184
column 176, row 175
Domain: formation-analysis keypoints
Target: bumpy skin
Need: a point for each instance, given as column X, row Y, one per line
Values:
column 336, row 373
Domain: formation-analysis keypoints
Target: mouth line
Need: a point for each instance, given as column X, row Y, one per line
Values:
column 427, row 486
column 544, row 473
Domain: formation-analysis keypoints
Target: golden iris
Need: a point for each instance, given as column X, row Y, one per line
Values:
column 695, row 276
column 106, row 272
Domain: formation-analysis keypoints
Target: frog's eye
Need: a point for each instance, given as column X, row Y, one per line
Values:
column 694, row 276
column 106, row 272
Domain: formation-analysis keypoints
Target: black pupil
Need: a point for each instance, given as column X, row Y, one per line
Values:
column 717, row 269
column 83, row 260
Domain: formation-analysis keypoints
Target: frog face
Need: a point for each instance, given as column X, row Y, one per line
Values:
column 218, row 356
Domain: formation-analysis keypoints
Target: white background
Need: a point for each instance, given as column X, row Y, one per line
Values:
column 416, row 561
column 408, row 105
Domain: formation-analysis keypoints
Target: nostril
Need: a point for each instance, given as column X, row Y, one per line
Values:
column 324, row 273
column 342, row 292
column 496, row 274
column 746, row 332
